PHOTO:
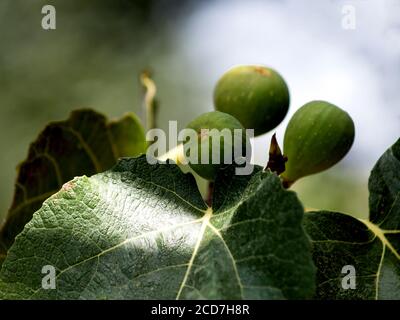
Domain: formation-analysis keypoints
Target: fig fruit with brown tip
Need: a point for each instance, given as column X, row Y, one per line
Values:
column 256, row 95
column 213, row 143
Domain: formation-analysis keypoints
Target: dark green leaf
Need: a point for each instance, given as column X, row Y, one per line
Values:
column 143, row 231
column 86, row 143
column 371, row 246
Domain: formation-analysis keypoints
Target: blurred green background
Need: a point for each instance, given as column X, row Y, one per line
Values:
column 94, row 57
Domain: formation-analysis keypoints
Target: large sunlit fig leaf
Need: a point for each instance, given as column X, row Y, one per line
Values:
column 371, row 246
column 143, row 231
column 84, row 144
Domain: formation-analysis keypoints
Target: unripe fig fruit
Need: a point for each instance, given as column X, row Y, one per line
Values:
column 318, row 136
column 256, row 95
column 214, row 136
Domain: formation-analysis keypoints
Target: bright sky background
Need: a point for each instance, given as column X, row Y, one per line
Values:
column 358, row 70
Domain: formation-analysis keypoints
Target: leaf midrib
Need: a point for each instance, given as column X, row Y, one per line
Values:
column 380, row 234
column 205, row 222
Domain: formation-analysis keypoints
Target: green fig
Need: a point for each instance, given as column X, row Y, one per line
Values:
column 256, row 95
column 214, row 140
column 318, row 136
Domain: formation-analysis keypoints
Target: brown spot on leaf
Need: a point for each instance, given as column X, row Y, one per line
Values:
column 68, row 186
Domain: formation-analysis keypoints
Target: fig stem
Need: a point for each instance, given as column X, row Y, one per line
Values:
column 149, row 101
